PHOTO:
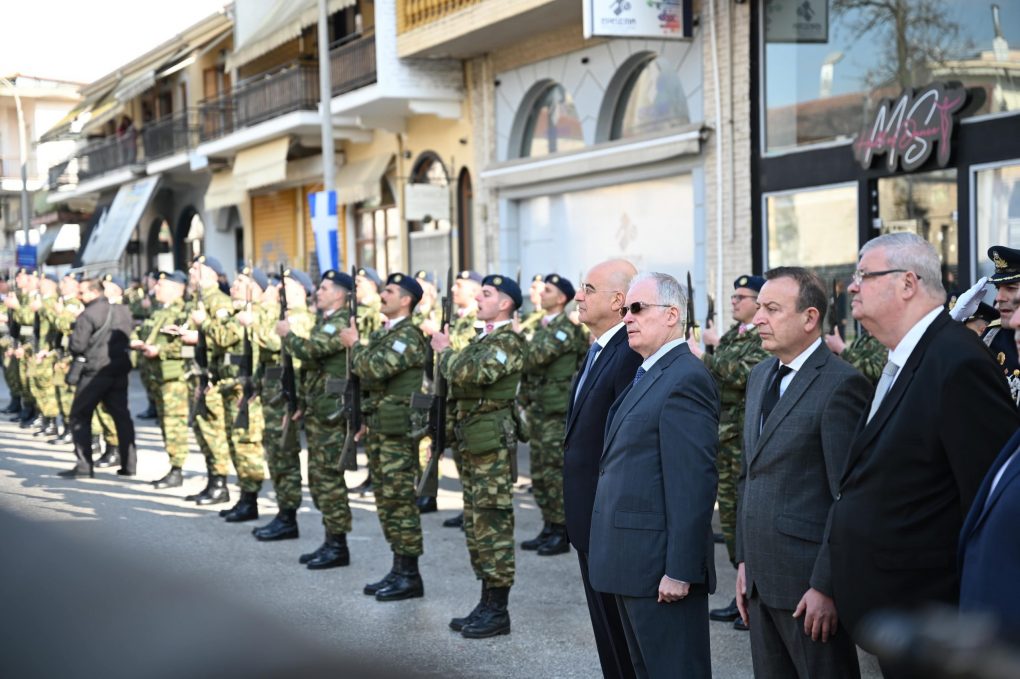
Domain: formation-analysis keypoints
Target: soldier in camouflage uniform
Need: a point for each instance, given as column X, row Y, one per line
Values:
column 209, row 306
column 427, row 317
column 40, row 369
column 7, row 345
column 323, row 357
column 483, row 381
column 26, row 283
column 530, row 322
column 159, row 342
column 553, row 355
column 390, row 367
column 864, row 352
column 736, row 353
column 282, row 452
column 366, row 285
column 68, row 309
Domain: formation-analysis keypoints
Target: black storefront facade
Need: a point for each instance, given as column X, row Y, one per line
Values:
column 821, row 182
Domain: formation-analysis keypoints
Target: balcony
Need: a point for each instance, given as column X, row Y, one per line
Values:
column 107, row 155
column 352, row 64
column 10, row 167
column 169, row 135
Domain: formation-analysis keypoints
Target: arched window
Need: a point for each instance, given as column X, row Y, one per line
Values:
column 552, row 126
column 651, row 100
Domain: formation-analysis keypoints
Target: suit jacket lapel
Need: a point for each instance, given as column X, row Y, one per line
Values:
column 601, row 362
column 984, row 502
column 752, row 412
column 802, row 379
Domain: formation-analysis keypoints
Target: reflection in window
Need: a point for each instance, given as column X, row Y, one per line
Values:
column 823, row 91
column 553, row 125
column 652, row 100
column 998, row 212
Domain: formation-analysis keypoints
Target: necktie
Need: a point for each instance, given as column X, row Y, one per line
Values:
column 593, row 351
column 888, row 374
column 772, row 395
column 489, row 328
column 638, row 375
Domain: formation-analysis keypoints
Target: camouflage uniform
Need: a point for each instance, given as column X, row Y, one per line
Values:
column 25, row 318
column 463, row 329
column 731, row 364
column 323, row 356
column 390, row 368
column 370, row 318
column 552, row 358
column 483, row 380
column 63, row 323
column 40, row 369
column 867, row 355
column 211, row 428
column 148, row 368
column 169, row 375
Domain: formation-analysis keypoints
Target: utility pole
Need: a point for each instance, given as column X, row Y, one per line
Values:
column 26, row 213
column 326, row 96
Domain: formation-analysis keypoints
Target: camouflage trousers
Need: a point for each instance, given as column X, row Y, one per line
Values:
column 102, row 420
column 40, row 383
column 728, row 461
column 547, row 432
column 172, row 409
column 23, row 379
column 489, row 514
column 245, row 444
column 284, row 460
column 326, row 482
column 211, row 434
column 148, row 372
column 11, row 377
column 391, row 462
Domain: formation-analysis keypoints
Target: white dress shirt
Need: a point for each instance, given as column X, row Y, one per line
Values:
column 901, row 354
column 796, row 364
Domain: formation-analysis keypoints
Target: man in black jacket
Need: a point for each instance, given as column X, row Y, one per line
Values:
column 100, row 340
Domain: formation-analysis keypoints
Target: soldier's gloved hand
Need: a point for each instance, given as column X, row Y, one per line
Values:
column 349, row 335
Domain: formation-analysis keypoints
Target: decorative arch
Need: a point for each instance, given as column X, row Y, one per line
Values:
column 634, row 104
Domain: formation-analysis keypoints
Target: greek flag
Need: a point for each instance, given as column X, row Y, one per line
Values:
column 322, row 207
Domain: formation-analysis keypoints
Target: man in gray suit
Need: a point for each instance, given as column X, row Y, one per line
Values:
column 803, row 407
column 651, row 528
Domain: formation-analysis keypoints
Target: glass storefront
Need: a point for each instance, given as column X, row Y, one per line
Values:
column 997, row 194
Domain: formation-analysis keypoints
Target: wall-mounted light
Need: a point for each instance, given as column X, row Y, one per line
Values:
column 584, row 60
column 496, row 83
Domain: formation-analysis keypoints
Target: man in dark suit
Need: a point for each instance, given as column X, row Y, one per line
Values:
column 803, row 407
column 940, row 414
column 608, row 369
column 651, row 527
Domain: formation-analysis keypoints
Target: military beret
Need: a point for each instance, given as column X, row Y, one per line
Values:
column 371, row 274
column 750, row 282
column 274, row 278
column 564, row 286
column 302, row 278
column 408, row 283
column 178, row 277
column 115, row 280
column 985, row 312
column 470, row 275
column 340, row 278
column 212, row 263
column 428, row 277
column 539, row 278
column 51, row 277
column 27, row 270
column 257, row 275
column 507, row 286
column 1007, row 264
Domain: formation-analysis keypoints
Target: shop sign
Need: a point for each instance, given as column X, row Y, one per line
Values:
column 797, row 21
column 638, row 18
column 908, row 128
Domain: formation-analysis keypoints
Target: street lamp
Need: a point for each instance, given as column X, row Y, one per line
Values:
column 23, row 145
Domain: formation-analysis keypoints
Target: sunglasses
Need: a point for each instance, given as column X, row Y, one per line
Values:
column 636, row 308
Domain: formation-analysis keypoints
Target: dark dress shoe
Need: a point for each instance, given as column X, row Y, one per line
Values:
column 13, row 407
column 426, row 505
column 719, row 538
column 76, row 472
column 246, row 509
column 457, row 624
column 406, row 582
column 493, row 620
column 727, row 614
column 282, row 527
column 455, row 521
column 739, row 625
column 173, row 479
column 109, row 459
column 557, row 542
column 216, row 493
column 150, row 413
column 537, row 541
column 126, row 472
column 332, row 554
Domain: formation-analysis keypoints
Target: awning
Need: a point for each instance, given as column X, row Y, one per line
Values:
column 63, row 128
column 284, row 21
column 45, row 245
column 134, row 86
column 361, row 180
column 111, row 235
column 105, row 109
column 262, row 165
column 224, row 191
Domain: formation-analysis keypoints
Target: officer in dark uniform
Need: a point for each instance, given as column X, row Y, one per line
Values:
column 1006, row 279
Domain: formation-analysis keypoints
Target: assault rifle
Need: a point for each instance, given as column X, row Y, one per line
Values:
column 435, row 405
column 201, row 368
column 288, row 380
column 247, row 374
column 692, row 323
column 352, row 394
column 710, row 321
column 833, row 312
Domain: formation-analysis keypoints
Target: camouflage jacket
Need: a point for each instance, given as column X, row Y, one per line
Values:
column 369, row 317
column 531, row 323
column 484, row 376
column 171, row 361
column 65, row 316
column 731, row 364
column 867, row 355
column 463, row 330
column 551, row 359
column 223, row 334
column 390, row 365
column 322, row 356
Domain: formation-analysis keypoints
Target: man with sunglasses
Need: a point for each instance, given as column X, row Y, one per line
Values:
column 651, row 527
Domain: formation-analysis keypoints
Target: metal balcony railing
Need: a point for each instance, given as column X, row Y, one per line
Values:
column 107, row 155
column 412, row 14
column 170, row 134
column 216, row 117
column 293, row 88
column 352, row 63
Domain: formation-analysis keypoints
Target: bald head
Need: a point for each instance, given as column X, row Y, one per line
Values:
column 602, row 293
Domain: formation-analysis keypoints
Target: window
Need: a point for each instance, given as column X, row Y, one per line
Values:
column 821, row 90
column 652, row 100
column 998, row 212
column 552, row 126
column 378, row 234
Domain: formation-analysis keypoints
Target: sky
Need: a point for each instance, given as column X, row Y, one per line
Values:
column 83, row 40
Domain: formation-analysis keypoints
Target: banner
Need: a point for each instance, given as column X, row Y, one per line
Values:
column 322, row 208
column 638, row 19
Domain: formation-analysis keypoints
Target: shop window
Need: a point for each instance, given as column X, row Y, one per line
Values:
column 552, row 124
column 998, row 211
column 378, row 234
column 652, row 100
column 820, row 82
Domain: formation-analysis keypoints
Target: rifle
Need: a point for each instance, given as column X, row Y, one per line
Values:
column 710, row 320
column 201, row 368
column 435, row 404
column 692, row 323
column 833, row 314
column 36, row 326
column 247, row 373
column 288, row 380
column 352, row 396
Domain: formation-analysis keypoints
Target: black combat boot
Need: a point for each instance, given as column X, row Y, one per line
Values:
column 246, row 509
column 406, row 582
column 557, row 542
column 332, row 554
column 282, row 527
column 48, row 427
column 205, row 491
column 173, row 479
column 150, row 413
column 727, row 614
column 216, row 493
column 457, row 624
column 537, row 541
column 28, row 417
column 371, row 588
column 305, row 558
column 426, row 505
column 493, row 619
column 111, row 458
column 13, row 407
column 63, row 437
column 455, row 521
column 366, row 486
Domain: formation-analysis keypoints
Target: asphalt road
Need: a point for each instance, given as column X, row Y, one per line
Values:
column 166, row 538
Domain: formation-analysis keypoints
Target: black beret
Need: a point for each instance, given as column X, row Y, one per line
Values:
column 371, row 274
column 564, row 286
column 750, row 282
column 115, row 280
column 28, row 270
column 507, row 286
column 406, row 282
column 178, row 277
column 470, row 275
column 212, row 263
column 1007, row 264
column 257, row 275
column 302, row 278
column 340, row 278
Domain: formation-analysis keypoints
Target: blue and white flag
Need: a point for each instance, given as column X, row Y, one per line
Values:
column 322, row 207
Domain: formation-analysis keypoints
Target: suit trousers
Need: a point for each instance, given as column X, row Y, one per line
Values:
column 779, row 647
column 607, row 625
column 112, row 392
column 668, row 641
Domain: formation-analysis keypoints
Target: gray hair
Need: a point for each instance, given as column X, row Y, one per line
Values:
column 908, row 251
column 669, row 290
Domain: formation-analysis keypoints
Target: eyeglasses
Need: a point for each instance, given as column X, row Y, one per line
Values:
column 637, row 307
column 590, row 289
column 860, row 276
column 737, row 298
